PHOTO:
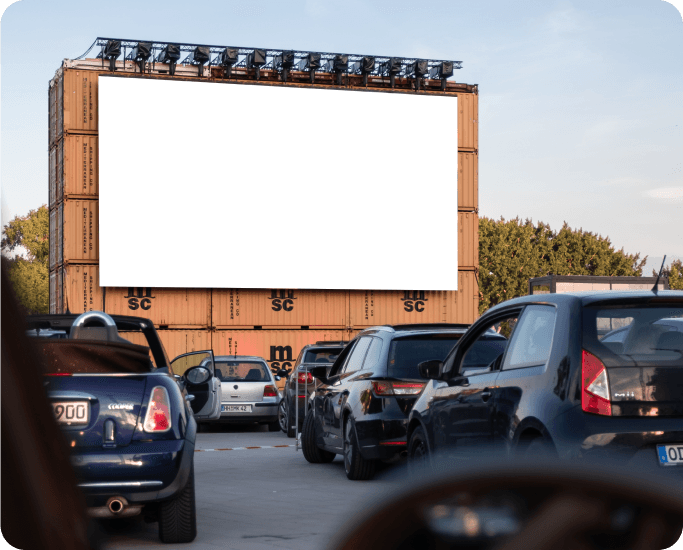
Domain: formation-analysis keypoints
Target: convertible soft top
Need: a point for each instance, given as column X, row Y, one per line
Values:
column 64, row 356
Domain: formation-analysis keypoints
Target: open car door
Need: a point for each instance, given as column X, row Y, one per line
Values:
column 198, row 372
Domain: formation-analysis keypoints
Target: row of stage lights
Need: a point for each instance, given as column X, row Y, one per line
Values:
column 281, row 61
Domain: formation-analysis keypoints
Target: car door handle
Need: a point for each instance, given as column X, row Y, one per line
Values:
column 189, row 397
column 486, row 394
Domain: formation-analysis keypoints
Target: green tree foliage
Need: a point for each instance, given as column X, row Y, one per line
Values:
column 674, row 271
column 29, row 274
column 512, row 252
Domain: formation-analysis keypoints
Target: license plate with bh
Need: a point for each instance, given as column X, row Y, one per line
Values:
column 71, row 412
column 236, row 408
column 670, row 455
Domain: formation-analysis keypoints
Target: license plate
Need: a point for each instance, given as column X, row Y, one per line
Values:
column 71, row 412
column 236, row 408
column 670, row 455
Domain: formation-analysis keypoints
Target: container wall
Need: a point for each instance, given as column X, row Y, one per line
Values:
column 463, row 306
column 56, row 291
column 468, row 240
column 82, row 290
column 79, row 102
column 52, row 113
column 80, row 166
column 468, row 181
column 279, row 307
column 166, row 307
column 80, row 233
column 279, row 348
column 52, row 176
column 468, row 123
column 55, row 239
column 389, row 307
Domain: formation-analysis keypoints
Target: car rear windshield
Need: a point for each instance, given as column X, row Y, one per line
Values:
column 405, row 354
column 328, row 355
column 635, row 336
column 242, row 371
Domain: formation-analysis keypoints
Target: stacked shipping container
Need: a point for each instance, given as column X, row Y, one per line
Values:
column 273, row 323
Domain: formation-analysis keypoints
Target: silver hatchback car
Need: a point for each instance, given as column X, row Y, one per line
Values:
column 249, row 393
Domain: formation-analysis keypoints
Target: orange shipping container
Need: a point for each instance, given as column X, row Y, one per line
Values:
column 82, row 290
column 76, row 102
column 279, row 307
column 279, row 348
column 468, row 181
column 468, row 240
column 56, row 289
column 463, row 306
column 79, row 240
column 468, row 123
column 79, row 167
column 55, row 237
column 55, row 180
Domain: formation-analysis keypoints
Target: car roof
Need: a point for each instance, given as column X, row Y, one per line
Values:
column 420, row 329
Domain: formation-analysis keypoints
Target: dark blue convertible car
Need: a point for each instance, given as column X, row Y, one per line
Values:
column 127, row 416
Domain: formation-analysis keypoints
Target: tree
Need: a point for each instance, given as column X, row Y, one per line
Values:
column 674, row 271
column 512, row 252
column 29, row 274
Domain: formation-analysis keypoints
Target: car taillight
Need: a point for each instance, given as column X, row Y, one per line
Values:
column 305, row 378
column 594, row 386
column 269, row 391
column 158, row 416
column 387, row 389
column 57, row 374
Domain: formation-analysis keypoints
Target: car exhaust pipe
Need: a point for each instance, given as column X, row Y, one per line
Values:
column 116, row 507
column 116, row 504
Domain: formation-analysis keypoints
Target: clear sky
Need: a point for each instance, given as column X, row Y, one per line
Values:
column 581, row 111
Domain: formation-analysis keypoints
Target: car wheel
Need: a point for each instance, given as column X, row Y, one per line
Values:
column 311, row 451
column 178, row 516
column 282, row 414
column 418, row 452
column 291, row 429
column 355, row 466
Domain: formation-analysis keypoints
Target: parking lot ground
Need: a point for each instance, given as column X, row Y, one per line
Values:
column 261, row 495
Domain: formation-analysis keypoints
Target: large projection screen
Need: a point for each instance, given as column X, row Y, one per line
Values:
column 224, row 185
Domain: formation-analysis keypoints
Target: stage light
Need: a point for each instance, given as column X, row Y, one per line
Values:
column 255, row 60
column 141, row 54
column 170, row 54
column 310, row 63
column 442, row 71
column 417, row 70
column 338, row 64
column 284, row 62
column 365, row 67
column 391, row 67
column 228, row 58
column 199, row 56
column 111, row 51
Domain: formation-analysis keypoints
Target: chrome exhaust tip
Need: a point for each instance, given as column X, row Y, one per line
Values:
column 116, row 504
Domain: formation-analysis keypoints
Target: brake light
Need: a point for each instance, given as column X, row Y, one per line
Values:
column 388, row 389
column 57, row 374
column 269, row 391
column 594, row 385
column 158, row 415
column 305, row 378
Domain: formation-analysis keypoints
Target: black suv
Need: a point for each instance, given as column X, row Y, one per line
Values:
column 322, row 353
column 361, row 407
column 575, row 376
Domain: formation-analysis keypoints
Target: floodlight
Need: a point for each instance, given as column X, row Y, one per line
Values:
column 254, row 61
column 111, row 51
column 170, row 54
column 228, row 58
column 365, row 67
column 310, row 63
column 338, row 64
column 417, row 70
column 442, row 71
column 200, row 56
column 392, row 67
column 284, row 62
column 141, row 54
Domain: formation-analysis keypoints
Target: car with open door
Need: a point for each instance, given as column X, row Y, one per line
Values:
column 128, row 417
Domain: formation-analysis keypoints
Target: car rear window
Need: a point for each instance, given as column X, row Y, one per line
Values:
column 405, row 354
column 242, row 371
column 624, row 336
column 328, row 355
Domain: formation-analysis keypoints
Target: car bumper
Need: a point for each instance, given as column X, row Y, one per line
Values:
column 260, row 412
column 140, row 472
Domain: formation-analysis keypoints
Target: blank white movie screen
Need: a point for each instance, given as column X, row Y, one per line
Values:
column 218, row 185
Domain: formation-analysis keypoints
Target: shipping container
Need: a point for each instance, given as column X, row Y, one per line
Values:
column 76, row 102
column 54, row 238
column 56, row 290
column 468, row 181
column 176, row 342
column 78, row 241
column 468, row 123
column 279, row 348
column 463, row 306
column 468, row 240
column 82, row 290
column 53, row 169
column 79, row 165
column 279, row 307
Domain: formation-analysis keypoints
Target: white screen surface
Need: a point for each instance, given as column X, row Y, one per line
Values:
column 210, row 185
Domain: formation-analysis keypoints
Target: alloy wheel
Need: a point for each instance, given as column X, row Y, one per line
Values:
column 348, row 447
column 282, row 415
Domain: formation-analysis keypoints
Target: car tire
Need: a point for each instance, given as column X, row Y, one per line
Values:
column 355, row 466
column 178, row 516
column 282, row 414
column 291, row 429
column 312, row 452
column 418, row 453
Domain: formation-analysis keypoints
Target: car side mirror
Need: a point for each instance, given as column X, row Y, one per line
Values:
column 458, row 381
column 430, row 369
column 321, row 373
column 283, row 372
column 197, row 375
column 277, row 378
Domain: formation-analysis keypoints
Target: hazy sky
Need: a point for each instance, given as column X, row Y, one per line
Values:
column 581, row 117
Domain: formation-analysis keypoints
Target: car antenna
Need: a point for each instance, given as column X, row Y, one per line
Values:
column 654, row 288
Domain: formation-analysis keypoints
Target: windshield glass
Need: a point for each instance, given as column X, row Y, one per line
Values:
column 327, row 355
column 242, row 371
column 635, row 335
column 405, row 354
